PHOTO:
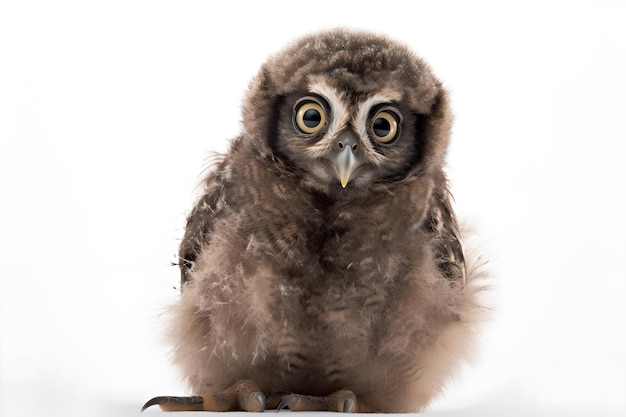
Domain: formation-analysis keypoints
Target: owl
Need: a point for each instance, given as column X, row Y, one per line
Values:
column 322, row 266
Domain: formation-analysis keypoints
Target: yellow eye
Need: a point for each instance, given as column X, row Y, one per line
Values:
column 310, row 117
column 384, row 127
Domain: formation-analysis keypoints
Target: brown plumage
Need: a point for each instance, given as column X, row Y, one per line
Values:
column 322, row 267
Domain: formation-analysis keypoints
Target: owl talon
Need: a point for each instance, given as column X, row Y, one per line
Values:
column 348, row 405
column 284, row 403
column 345, row 401
column 274, row 400
column 341, row 401
column 169, row 403
column 262, row 401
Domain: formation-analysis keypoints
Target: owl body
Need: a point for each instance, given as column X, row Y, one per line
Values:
column 318, row 258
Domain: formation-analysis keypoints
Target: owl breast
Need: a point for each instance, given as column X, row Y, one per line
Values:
column 305, row 273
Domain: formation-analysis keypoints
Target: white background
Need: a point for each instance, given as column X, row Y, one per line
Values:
column 108, row 111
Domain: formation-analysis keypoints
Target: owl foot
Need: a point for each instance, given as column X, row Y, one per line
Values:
column 343, row 401
column 244, row 396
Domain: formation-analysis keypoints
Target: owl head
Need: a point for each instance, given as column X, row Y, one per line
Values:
column 347, row 111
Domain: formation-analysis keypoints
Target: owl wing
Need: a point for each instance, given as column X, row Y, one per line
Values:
column 445, row 237
column 200, row 225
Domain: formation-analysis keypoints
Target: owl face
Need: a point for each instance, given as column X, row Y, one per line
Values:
column 348, row 110
column 347, row 142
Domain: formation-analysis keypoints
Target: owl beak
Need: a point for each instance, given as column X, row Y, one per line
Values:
column 345, row 161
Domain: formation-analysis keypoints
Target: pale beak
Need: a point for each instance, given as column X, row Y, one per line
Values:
column 346, row 163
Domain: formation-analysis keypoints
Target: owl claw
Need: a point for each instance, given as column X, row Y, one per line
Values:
column 341, row 401
column 262, row 401
column 168, row 403
column 348, row 405
column 284, row 403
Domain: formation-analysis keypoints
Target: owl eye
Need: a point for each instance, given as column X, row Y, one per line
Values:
column 384, row 127
column 310, row 117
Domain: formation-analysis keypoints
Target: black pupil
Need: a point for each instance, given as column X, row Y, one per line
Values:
column 311, row 118
column 381, row 127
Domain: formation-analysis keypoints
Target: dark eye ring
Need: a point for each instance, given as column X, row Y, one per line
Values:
column 309, row 116
column 384, row 126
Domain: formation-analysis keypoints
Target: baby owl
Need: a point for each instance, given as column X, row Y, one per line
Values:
column 322, row 266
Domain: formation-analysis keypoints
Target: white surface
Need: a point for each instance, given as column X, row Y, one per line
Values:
column 109, row 109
